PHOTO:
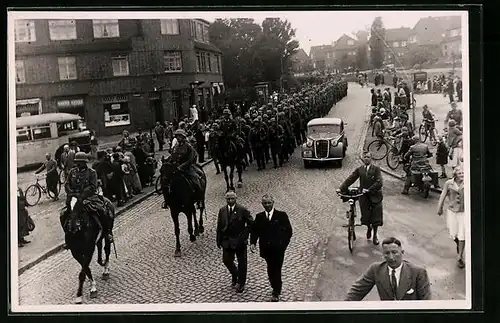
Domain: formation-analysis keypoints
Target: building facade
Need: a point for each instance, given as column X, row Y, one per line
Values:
column 397, row 45
column 116, row 74
column 322, row 57
column 451, row 45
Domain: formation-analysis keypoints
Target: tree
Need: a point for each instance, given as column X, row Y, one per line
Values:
column 420, row 55
column 362, row 57
column 377, row 43
column 345, row 61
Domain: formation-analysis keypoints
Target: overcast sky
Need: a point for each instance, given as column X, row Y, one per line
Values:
column 312, row 27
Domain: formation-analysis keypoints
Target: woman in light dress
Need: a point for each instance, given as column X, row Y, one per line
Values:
column 456, row 155
column 455, row 215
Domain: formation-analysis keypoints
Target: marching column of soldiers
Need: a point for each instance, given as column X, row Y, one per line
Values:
column 273, row 131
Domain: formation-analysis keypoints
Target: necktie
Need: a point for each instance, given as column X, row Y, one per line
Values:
column 268, row 216
column 394, row 284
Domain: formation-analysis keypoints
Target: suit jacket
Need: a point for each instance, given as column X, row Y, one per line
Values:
column 413, row 283
column 274, row 236
column 233, row 230
column 371, row 181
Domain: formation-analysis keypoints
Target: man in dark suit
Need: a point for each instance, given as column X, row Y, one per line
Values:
column 233, row 227
column 395, row 278
column 273, row 230
column 370, row 182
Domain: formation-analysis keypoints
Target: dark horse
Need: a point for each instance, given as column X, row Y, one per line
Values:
column 230, row 156
column 182, row 198
column 82, row 234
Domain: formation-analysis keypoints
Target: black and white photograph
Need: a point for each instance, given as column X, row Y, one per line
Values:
column 173, row 161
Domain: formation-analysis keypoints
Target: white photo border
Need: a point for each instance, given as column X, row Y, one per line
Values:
column 219, row 307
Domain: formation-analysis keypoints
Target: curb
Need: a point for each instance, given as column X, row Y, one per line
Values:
column 52, row 251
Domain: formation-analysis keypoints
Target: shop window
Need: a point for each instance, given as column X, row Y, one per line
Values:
column 172, row 62
column 116, row 114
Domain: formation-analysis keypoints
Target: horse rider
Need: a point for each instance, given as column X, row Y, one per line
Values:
column 82, row 184
column 419, row 154
column 184, row 156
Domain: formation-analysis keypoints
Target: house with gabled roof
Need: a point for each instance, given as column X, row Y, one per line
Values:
column 396, row 45
column 321, row 57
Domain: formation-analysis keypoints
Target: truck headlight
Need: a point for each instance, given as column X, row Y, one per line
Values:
column 309, row 143
column 334, row 142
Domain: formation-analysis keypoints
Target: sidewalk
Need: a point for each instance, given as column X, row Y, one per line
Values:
column 438, row 105
column 48, row 238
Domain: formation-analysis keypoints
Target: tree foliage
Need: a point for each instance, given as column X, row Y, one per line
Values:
column 420, row 55
column 252, row 53
column 362, row 57
column 377, row 43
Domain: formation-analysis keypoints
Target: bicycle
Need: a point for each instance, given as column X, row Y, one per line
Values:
column 426, row 131
column 379, row 148
column 34, row 192
column 352, row 196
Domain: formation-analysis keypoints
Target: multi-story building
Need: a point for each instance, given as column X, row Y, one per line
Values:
column 301, row 62
column 116, row 74
column 322, row 57
column 345, row 45
column 451, row 45
column 396, row 45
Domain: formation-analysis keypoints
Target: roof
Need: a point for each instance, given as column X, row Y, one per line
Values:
column 301, row 55
column 46, row 118
column 430, row 30
column 342, row 42
column 318, row 51
column 324, row 121
column 397, row 34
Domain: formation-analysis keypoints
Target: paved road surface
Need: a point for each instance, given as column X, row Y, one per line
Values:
column 317, row 264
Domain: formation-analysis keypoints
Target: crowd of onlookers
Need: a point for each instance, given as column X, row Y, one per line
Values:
column 448, row 86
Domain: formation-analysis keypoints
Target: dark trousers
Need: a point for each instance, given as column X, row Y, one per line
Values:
column 51, row 181
column 459, row 95
column 258, row 154
column 238, row 273
column 274, row 264
column 450, row 95
column 298, row 137
column 266, row 153
column 161, row 142
column 303, row 135
column 276, row 154
column 201, row 152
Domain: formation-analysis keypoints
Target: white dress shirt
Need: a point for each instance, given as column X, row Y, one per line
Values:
column 397, row 273
column 269, row 214
column 230, row 208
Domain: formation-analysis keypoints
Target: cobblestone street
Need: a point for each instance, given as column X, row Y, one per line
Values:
column 318, row 265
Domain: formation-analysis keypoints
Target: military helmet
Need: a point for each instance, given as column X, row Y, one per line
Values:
column 81, row 157
column 226, row 111
column 180, row 132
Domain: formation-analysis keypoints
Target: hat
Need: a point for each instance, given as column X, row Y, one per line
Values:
column 453, row 104
column 180, row 132
column 226, row 111
column 80, row 157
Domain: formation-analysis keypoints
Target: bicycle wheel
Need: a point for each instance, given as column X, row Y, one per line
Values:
column 58, row 190
column 351, row 236
column 422, row 133
column 62, row 177
column 158, row 188
column 33, row 194
column 378, row 148
column 392, row 159
column 433, row 139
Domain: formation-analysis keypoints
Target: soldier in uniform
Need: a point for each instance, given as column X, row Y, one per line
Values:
column 185, row 157
column 257, row 138
column 213, row 139
column 276, row 134
column 82, row 184
column 419, row 154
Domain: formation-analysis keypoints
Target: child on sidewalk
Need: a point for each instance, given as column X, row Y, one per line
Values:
column 442, row 155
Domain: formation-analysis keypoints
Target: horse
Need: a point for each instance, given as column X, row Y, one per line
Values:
column 230, row 156
column 82, row 234
column 182, row 198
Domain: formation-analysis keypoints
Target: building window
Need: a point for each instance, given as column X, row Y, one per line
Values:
column 106, row 28
column 403, row 43
column 216, row 63
column 350, row 42
column 395, row 44
column 116, row 114
column 62, row 29
column 170, row 27
column 28, row 107
column 67, row 68
column 20, row 72
column 413, row 39
column 24, row 31
column 120, row 66
column 173, row 62
column 199, row 31
column 208, row 62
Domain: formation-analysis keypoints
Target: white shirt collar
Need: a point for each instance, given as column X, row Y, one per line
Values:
column 397, row 273
column 270, row 214
column 231, row 207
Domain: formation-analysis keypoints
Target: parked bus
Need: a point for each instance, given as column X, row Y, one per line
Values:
column 47, row 133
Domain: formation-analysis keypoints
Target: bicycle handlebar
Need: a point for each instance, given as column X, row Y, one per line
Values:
column 351, row 196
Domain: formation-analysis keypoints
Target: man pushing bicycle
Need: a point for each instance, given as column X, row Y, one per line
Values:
column 370, row 183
